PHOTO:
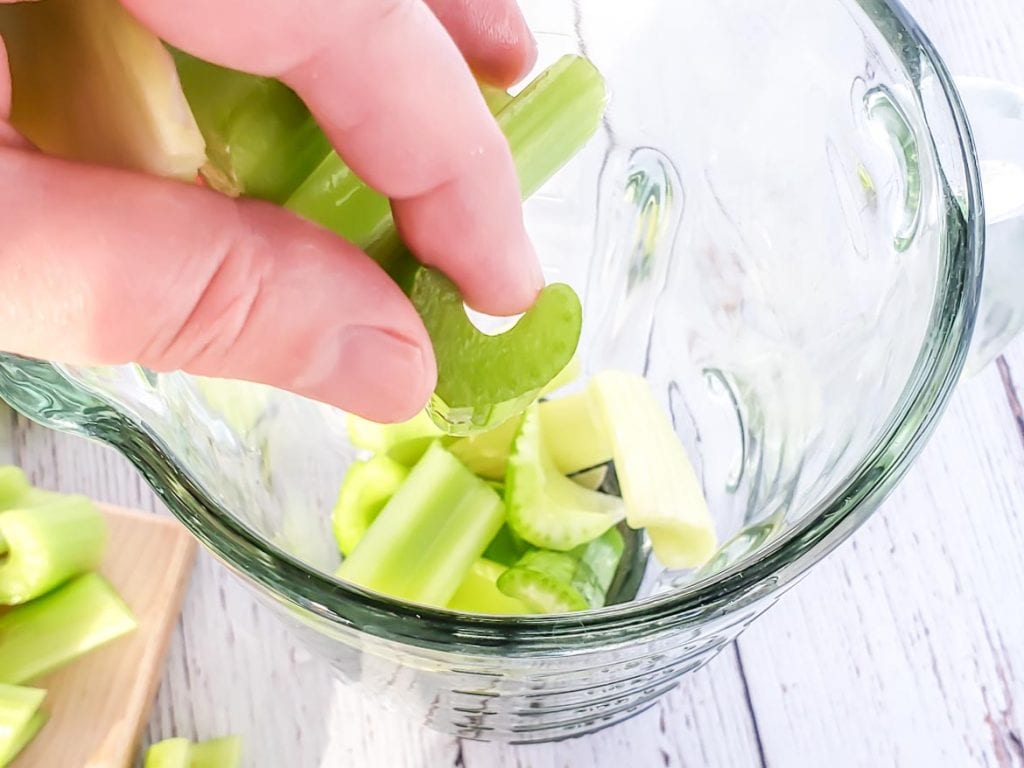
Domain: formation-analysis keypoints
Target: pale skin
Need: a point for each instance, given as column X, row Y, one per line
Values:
column 109, row 267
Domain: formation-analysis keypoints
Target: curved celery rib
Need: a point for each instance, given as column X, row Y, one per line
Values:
column 561, row 582
column 47, row 545
column 479, row 593
column 659, row 486
column 50, row 631
column 20, row 719
column 546, row 508
column 429, row 534
column 366, row 489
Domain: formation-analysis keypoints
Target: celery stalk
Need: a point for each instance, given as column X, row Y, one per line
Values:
column 169, row 753
column 574, row 432
column 367, row 487
column 91, row 83
column 659, row 485
column 429, row 534
column 55, row 629
column 181, row 753
column 546, row 508
column 47, row 545
column 561, row 582
column 20, row 719
column 479, row 593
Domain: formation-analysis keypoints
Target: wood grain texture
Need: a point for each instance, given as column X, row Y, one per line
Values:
column 905, row 648
column 99, row 705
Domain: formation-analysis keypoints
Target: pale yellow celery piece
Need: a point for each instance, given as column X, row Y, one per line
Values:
column 90, row 83
column 574, row 432
column 659, row 485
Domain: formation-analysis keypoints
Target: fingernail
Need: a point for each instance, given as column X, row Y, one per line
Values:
column 379, row 375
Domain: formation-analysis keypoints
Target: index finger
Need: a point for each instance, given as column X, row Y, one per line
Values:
column 398, row 101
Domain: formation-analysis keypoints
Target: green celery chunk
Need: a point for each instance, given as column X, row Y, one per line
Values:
column 367, row 487
column 659, row 485
column 575, row 433
column 404, row 442
column 53, row 630
column 546, row 508
column 486, row 453
column 424, row 541
column 47, row 545
column 16, row 491
column 563, row 582
column 479, row 593
column 169, row 753
column 506, row 547
column 182, row 753
column 20, row 719
column 217, row 753
column 261, row 140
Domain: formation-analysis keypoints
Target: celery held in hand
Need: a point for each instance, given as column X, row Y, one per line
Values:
column 48, row 544
column 78, row 617
column 20, row 719
column 182, row 753
column 429, row 534
column 546, row 508
column 563, row 582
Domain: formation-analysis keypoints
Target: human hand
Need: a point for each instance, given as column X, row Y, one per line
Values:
column 103, row 266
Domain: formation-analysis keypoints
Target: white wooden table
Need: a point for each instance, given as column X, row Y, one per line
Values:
column 905, row 648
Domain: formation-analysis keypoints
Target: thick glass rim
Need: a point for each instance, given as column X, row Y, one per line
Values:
column 43, row 393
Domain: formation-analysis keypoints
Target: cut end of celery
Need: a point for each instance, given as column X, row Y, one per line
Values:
column 20, row 719
column 485, row 380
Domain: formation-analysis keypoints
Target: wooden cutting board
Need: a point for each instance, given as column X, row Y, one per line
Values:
column 99, row 705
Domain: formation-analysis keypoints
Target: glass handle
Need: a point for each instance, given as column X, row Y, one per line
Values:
column 996, row 113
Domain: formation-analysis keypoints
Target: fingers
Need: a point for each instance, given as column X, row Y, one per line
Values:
column 492, row 35
column 400, row 104
column 107, row 267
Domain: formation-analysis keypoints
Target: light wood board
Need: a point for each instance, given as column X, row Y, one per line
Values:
column 99, row 704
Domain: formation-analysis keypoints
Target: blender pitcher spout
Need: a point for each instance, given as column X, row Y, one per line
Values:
column 996, row 113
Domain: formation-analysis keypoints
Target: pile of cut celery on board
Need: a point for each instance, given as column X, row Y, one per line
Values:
column 492, row 501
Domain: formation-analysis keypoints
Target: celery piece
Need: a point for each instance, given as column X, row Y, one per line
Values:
column 484, row 380
column 380, row 438
column 496, row 98
column 506, row 547
column 16, row 491
column 659, row 485
column 47, row 545
column 182, row 753
column 546, row 508
column 169, row 753
column 261, row 139
column 574, row 432
column 91, row 83
column 365, row 490
column 486, row 453
column 561, row 582
column 479, row 593
column 429, row 534
column 53, row 630
column 20, row 719
column 217, row 753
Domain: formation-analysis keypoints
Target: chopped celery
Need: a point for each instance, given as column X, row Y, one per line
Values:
column 16, row 491
column 47, row 545
column 561, row 582
column 57, row 628
column 429, row 534
column 217, row 753
column 479, row 593
column 182, row 753
column 484, row 380
column 366, row 489
column 659, row 486
column 546, row 508
column 169, row 753
column 486, row 453
column 20, row 719
column 91, row 83
column 261, row 139
column 575, row 433
column 506, row 547
column 404, row 442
